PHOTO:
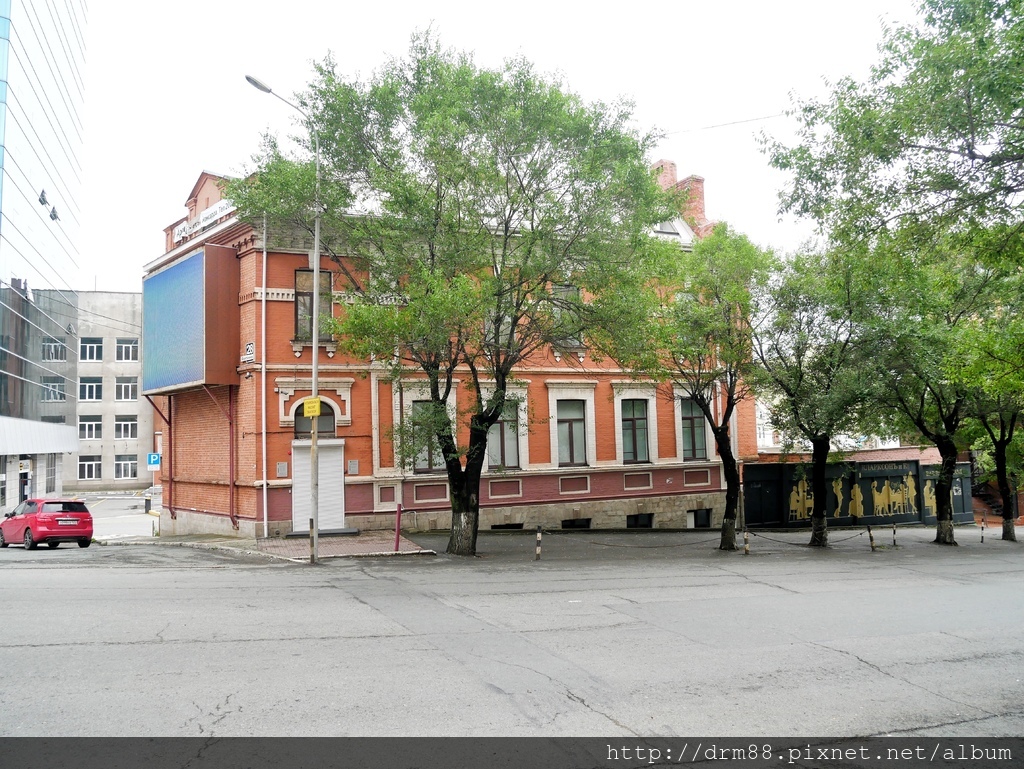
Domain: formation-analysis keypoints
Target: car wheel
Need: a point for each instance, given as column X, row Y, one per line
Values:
column 29, row 543
column 3, row 539
column 84, row 542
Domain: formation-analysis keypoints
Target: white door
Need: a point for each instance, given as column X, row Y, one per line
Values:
column 331, row 500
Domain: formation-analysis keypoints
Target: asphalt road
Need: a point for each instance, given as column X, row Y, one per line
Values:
column 608, row 634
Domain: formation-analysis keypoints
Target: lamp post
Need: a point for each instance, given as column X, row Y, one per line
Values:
column 314, row 459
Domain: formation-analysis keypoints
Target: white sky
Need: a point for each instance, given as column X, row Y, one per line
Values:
column 166, row 96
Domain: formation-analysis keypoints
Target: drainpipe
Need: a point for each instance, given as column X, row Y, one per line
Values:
column 263, row 380
column 229, row 414
column 170, row 453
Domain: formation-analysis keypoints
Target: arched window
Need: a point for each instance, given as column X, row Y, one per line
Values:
column 324, row 424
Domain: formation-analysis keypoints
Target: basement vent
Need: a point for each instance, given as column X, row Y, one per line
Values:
column 576, row 523
column 640, row 521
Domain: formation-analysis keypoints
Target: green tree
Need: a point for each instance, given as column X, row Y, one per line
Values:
column 479, row 217
column 699, row 339
column 922, row 165
column 816, row 361
column 926, row 303
column 932, row 141
column 996, row 419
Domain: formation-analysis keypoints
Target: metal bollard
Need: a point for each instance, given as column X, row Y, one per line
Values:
column 149, row 503
column 312, row 546
column 746, row 542
column 894, row 535
column 984, row 520
column 536, row 556
column 871, row 538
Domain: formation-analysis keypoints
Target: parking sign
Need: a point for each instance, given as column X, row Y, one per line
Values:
column 152, row 462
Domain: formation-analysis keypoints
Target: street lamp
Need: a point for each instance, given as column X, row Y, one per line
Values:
column 314, row 459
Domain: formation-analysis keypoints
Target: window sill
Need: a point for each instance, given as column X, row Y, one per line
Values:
column 298, row 345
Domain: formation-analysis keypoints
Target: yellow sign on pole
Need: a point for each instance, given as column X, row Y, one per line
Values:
column 311, row 407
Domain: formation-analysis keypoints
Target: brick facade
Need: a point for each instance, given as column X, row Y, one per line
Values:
column 213, row 469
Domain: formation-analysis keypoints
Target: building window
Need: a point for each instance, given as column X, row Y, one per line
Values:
column 53, row 419
column 572, row 441
column 695, row 444
column 91, row 348
column 89, row 468
column 126, row 427
column 126, row 466
column 304, row 304
column 54, row 388
column 90, row 388
column 90, row 427
column 126, row 388
column 51, row 473
column 54, row 349
column 428, row 459
column 634, row 431
column 324, row 422
column 127, row 349
column 565, row 301
column 503, row 439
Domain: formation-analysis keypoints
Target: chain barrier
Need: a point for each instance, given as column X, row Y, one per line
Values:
column 804, row 544
column 554, row 532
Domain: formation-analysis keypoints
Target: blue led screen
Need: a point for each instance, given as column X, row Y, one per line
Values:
column 174, row 326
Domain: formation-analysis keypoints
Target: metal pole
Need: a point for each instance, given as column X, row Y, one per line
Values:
column 398, row 525
column 536, row 555
column 314, row 457
column 263, row 384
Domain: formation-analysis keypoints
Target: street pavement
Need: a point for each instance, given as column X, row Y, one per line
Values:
column 609, row 634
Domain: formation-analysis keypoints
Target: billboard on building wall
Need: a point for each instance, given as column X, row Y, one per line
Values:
column 190, row 322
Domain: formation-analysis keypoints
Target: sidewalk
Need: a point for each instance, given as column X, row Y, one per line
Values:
column 364, row 544
column 599, row 545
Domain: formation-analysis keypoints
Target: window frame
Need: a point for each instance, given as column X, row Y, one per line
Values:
column 430, row 458
column 631, row 426
column 689, row 421
column 127, row 350
column 576, row 455
column 121, row 383
column 54, row 349
column 502, row 435
column 126, row 420
column 90, row 389
column 303, row 331
column 90, row 348
column 123, row 462
column 87, row 461
column 55, row 389
column 91, row 425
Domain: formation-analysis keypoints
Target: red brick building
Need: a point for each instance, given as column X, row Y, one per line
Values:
column 228, row 366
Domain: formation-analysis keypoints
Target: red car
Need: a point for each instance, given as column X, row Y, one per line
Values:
column 47, row 520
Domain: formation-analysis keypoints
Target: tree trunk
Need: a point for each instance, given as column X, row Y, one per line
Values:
column 730, row 469
column 820, row 446
column 1006, row 493
column 944, row 492
column 465, row 520
column 465, row 497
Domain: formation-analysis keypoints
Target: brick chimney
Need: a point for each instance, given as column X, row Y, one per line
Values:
column 666, row 174
column 692, row 187
column 693, row 210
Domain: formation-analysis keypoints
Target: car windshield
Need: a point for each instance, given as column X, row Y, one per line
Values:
column 64, row 507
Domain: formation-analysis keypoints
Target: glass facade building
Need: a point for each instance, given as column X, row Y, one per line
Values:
column 42, row 56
